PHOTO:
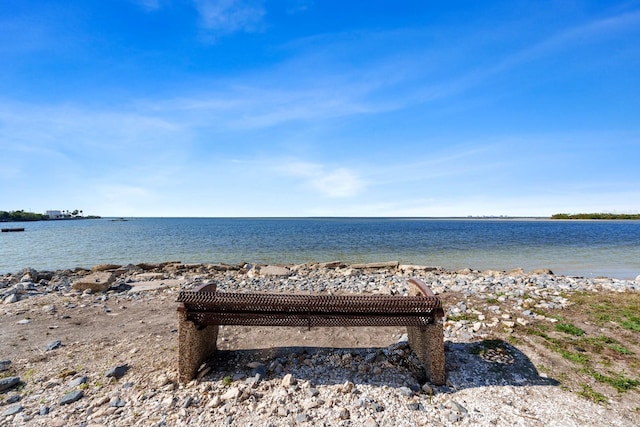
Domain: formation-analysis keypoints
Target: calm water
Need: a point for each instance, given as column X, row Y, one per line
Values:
column 585, row 248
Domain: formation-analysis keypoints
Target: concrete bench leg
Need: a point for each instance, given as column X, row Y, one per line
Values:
column 428, row 344
column 195, row 345
column 428, row 341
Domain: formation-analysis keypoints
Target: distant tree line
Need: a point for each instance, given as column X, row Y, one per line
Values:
column 70, row 214
column 32, row 216
column 21, row 216
column 595, row 216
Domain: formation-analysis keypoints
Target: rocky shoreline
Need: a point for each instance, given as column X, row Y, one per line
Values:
column 98, row 347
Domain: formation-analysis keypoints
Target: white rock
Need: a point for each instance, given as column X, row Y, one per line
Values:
column 148, row 276
column 215, row 402
column 162, row 380
column 231, row 394
column 311, row 404
column 169, row 402
column 49, row 309
column 282, row 412
column 288, row 381
column 152, row 285
column 388, row 264
column 347, row 387
column 204, row 372
column 169, row 387
column 427, row 389
column 10, row 299
column 99, row 401
column 370, row 422
column 97, row 282
column 348, row 272
column 274, row 270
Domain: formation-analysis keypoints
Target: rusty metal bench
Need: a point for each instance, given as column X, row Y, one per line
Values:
column 202, row 311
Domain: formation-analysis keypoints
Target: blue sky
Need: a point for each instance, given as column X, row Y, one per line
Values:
column 320, row 108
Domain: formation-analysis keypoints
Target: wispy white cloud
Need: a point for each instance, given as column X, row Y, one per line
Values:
column 273, row 107
column 587, row 33
column 340, row 182
column 125, row 193
column 334, row 182
column 263, row 106
column 590, row 32
column 459, row 161
column 78, row 129
column 413, row 74
column 69, row 152
column 220, row 17
column 124, row 199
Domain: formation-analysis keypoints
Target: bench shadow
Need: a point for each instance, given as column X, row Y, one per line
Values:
column 491, row 362
column 468, row 365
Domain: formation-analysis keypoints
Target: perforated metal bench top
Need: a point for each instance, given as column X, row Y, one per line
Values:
column 264, row 309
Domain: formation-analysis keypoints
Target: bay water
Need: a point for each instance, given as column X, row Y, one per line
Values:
column 577, row 248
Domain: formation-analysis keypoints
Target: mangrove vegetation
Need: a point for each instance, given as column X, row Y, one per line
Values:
column 595, row 216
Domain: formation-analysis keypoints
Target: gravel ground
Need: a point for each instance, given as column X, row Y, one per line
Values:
column 104, row 353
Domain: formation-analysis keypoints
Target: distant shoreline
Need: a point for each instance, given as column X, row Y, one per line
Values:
column 601, row 216
column 443, row 218
column 24, row 216
column 49, row 219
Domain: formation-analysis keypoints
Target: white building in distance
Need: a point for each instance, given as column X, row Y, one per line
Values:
column 54, row 214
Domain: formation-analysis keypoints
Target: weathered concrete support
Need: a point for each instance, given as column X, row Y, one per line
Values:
column 428, row 341
column 428, row 344
column 196, row 343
